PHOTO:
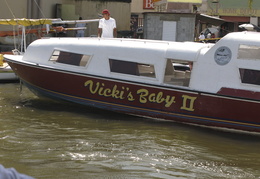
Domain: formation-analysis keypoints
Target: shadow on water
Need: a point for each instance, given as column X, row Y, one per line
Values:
column 46, row 104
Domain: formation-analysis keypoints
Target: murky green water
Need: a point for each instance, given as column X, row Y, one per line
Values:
column 48, row 139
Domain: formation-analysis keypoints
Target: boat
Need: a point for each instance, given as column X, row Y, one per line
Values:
column 6, row 73
column 219, row 90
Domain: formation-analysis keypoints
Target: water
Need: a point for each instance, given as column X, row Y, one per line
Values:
column 48, row 139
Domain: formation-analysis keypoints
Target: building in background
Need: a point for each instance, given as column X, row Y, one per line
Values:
column 174, row 20
column 138, row 7
column 237, row 11
column 169, row 26
column 178, row 6
column 66, row 10
column 130, row 14
column 142, row 8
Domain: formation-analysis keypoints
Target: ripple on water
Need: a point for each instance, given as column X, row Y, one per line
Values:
column 48, row 139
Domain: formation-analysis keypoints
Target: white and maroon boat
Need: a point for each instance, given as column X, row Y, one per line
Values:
column 137, row 77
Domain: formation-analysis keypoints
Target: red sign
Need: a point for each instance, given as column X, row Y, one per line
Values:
column 148, row 4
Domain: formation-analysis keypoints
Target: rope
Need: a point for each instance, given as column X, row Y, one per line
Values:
column 10, row 9
column 15, row 46
column 39, row 8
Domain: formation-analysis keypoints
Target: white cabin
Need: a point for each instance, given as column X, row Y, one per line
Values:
column 148, row 61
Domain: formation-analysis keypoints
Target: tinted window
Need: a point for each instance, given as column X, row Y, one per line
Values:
column 131, row 68
column 250, row 76
column 70, row 58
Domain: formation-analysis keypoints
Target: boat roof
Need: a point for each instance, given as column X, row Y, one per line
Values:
column 245, row 37
column 182, row 50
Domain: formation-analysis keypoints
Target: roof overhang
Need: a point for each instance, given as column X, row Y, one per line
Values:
column 211, row 19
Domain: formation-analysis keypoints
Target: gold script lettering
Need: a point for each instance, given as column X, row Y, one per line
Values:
column 159, row 98
column 188, row 103
column 143, row 94
column 125, row 93
column 130, row 97
column 90, row 83
column 101, row 90
column 169, row 100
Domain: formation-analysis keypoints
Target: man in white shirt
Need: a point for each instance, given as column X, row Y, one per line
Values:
column 107, row 26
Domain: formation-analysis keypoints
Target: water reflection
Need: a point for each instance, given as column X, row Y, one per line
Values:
column 49, row 139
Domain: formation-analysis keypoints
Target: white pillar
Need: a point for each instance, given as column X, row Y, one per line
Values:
column 254, row 20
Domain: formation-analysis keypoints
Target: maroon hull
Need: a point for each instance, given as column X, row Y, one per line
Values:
column 146, row 100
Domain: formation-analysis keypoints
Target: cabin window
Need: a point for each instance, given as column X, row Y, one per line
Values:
column 250, row 76
column 70, row 58
column 131, row 68
column 248, row 52
column 177, row 72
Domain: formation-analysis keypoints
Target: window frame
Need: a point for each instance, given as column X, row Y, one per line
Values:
column 250, row 52
column 70, row 58
column 249, row 76
column 132, row 68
